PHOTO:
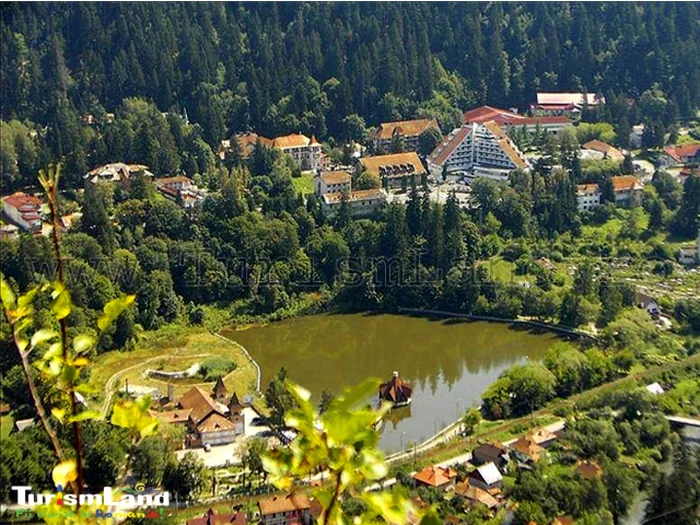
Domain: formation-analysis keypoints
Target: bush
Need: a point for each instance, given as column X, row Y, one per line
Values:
column 213, row 368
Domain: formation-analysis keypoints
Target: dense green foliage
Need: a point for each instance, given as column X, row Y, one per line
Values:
column 320, row 68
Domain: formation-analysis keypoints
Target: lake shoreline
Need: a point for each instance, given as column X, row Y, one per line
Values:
column 449, row 361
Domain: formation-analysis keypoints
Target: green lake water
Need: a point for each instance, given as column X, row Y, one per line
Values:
column 449, row 362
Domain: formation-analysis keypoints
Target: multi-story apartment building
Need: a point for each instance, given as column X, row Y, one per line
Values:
column 407, row 131
column 332, row 182
column 587, row 196
column 477, row 150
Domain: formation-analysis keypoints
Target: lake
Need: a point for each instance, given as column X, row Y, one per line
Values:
column 448, row 362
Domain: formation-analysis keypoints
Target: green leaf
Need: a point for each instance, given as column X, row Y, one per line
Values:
column 86, row 414
column 83, row 342
column 61, row 305
column 112, row 310
column 134, row 416
column 58, row 413
column 356, row 395
column 6, row 294
column 42, row 336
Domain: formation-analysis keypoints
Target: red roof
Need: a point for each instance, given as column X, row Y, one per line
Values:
column 435, row 476
column 485, row 113
column 22, row 201
column 503, row 117
column 626, row 182
column 214, row 518
column 679, row 152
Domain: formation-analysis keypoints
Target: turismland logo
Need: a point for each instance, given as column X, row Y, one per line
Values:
column 126, row 502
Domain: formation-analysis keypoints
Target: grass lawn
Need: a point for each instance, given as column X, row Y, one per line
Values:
column 304, row 184
column 172, row 348
column 499, row 269
column 6, row 423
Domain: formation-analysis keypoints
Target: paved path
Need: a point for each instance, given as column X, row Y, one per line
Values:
column 109, row 385
column 686, row 421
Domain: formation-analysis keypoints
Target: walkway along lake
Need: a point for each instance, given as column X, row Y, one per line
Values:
column 448, row 362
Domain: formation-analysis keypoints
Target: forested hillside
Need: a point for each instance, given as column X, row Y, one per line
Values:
column 314, row 68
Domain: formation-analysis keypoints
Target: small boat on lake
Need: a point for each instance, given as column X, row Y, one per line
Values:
column 396, row 391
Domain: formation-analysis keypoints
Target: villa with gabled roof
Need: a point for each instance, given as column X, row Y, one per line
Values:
column 407, row 131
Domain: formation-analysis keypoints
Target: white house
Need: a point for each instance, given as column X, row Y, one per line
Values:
column 362, row 203
column 304, row 150
column 486, row 477
column 636, row 136
column 332, row 182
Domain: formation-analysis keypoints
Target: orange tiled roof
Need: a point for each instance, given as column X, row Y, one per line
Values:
column 513, row 155
column 503, row 117
column 407, row 128
column 563, row 520
column 486, row 113
column 626, row 182
column 542, row 435
column 527, row 446
column 372, row 164
column 19, row 199
column 678, row 152
column 293, row 140
column 475, row 494
column 335, row 177
column 281, row 504
column 435, row 476
column 602, row 147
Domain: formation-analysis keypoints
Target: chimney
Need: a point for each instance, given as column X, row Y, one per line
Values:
column 171, row 392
